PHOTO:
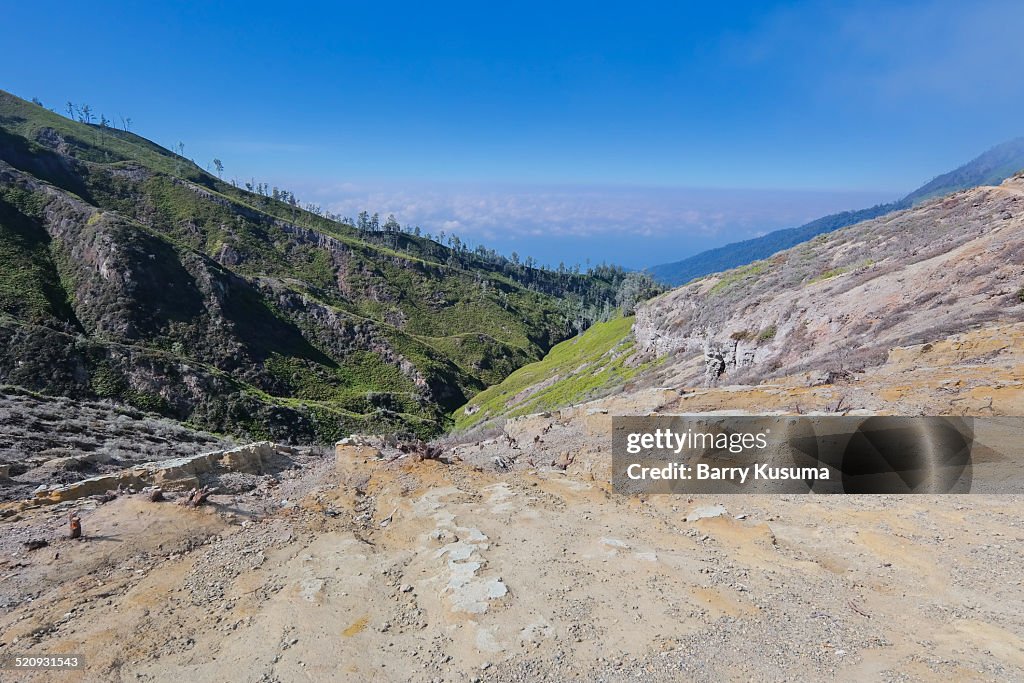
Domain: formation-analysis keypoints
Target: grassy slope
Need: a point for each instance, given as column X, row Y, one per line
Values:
column 29, row 285
column 464, row 321
column 588, row 365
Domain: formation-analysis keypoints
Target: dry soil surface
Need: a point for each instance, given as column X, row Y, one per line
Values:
column 427, row 571
column 510, row 559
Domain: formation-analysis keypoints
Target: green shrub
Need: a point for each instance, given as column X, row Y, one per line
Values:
column 732, row 277
column 108, row 383
column 829, row 274
column 148, row 401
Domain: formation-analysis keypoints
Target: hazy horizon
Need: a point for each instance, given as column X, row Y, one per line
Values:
column 635, row 227
column 560, row 132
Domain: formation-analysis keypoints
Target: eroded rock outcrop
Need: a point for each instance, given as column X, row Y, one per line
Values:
column 176, row 474
column 839, row 302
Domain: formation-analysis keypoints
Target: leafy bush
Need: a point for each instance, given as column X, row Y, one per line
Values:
column 108, row 383
column 829, row 274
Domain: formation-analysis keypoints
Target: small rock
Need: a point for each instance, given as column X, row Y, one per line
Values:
column 705, row 512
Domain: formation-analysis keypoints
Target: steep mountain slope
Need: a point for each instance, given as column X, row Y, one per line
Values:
column 130, row 273
column 990, row 168
column 590, row 364
column 820, row 313
column 838, row 303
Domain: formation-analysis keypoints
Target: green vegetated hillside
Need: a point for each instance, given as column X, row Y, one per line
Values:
column 127, row 272
column 591, row 364
column 990, row 168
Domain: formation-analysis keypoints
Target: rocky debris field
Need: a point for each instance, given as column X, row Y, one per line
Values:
column 386, row 566
column 50, row 440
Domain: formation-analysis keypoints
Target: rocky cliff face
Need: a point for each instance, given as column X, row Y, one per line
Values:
column 838, row 303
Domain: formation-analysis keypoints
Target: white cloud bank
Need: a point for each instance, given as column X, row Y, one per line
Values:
column 590, row 221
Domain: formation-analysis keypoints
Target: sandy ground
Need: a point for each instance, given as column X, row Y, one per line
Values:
column 429, row 571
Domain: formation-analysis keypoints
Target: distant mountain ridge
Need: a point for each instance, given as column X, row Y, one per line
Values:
column 990, row 168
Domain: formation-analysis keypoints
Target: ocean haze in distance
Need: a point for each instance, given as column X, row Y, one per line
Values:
column 630, row 226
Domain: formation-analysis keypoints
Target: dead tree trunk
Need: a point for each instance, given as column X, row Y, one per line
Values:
column 75, row 524
column 196, row 497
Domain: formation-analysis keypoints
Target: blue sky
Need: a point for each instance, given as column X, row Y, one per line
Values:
column 571, row 132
